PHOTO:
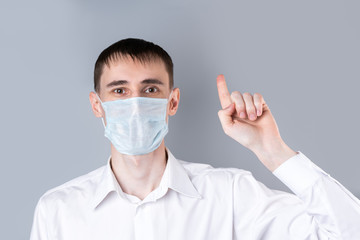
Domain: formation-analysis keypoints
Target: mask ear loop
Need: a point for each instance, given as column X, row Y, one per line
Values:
column 172, row 90
column 102, row 118
column 168, row 100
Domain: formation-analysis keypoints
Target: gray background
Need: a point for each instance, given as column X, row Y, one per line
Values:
column 302, row 56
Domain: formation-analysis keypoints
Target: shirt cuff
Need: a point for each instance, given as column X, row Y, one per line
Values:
column 299, row 173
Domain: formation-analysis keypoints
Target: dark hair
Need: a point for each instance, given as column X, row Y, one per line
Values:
column 139, row 50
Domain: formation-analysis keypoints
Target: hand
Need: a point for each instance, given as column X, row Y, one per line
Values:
column 248, row 120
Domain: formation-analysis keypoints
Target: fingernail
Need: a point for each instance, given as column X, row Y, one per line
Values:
column 252, row 116
column 258, row 112
column 242, row 115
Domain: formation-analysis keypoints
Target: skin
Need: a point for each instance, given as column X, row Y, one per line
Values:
column 247, row 119
column 244, row 117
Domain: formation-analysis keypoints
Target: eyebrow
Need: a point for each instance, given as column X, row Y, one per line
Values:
column 117, row 83
column 125, row 82
column 152, row 81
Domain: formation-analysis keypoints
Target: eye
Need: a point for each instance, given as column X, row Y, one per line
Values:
column 151, row 90
column 119, row 91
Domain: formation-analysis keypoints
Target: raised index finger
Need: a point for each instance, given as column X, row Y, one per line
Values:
column 224, row 94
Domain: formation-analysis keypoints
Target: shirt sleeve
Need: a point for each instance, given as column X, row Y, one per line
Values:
column 39, row 229
column 321, row 209
column 329, row 202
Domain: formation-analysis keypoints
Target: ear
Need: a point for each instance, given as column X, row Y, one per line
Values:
column 96, row 105
column 174, row 101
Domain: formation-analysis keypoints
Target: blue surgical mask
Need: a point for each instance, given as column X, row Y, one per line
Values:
column 136, row 126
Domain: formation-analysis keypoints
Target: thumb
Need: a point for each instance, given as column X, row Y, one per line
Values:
column 225, row 115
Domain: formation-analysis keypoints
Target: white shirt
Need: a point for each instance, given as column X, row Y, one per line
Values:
column 198, row 202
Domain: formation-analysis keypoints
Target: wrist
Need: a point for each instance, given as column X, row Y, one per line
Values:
column 274, row 155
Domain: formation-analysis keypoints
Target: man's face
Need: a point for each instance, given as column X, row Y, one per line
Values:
column 125, row 78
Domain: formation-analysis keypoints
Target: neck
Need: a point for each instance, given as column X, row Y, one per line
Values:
column 140, row 174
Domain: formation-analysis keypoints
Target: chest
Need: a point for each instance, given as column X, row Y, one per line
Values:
column 172, row 217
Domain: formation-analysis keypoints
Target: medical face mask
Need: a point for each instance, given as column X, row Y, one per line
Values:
column 136, row 126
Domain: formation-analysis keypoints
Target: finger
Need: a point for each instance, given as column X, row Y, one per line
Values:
column 249, row 105
column 258, row 102
column 237, row 98
column 225, row 116
column 223, row 91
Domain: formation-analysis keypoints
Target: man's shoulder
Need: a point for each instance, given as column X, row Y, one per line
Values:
column 221, row 181
column 82, row 185
column 203, row 170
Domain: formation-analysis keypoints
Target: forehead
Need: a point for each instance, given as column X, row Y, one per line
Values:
column 134, row 71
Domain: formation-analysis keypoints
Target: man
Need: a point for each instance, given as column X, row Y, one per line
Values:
column 144, row 192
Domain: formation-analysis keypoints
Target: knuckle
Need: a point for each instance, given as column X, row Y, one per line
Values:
column 223, row 96
column 247, row 94
column 240, row 108
column 258, row 95
column 250, row 109
column 235, row 94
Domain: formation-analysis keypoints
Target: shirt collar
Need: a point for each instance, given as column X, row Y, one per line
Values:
column 178, row 178
column 105, row 185
column 174, row 177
